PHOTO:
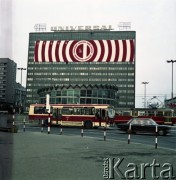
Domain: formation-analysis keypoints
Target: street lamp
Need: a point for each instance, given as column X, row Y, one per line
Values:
column 171, row 61
column 21, row 69
column 145, row 83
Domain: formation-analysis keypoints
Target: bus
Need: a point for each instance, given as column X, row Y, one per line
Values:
column 89, row 115
column 160, row 115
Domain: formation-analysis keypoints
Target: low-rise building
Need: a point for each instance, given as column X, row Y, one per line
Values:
column 7, row 80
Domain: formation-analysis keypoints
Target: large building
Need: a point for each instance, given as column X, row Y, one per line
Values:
column 82, row 67
column 7, row 81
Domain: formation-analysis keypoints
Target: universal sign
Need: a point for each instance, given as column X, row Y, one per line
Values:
column 82, row 28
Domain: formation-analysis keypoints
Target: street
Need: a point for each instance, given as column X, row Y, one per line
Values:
column 168, row 141
column 35, row 155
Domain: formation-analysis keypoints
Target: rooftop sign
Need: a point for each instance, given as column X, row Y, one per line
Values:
column 82, row 28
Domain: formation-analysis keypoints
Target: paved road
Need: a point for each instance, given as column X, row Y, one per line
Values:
column 168, row 141
column 33, row 155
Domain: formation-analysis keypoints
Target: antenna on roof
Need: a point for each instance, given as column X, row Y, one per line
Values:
column 40, row 27
column 124, row 26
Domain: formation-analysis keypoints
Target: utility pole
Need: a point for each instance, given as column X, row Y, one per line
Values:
column 145, row 83
column 21, row 69
column 172, row 61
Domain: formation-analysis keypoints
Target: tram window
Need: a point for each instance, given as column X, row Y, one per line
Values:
column 167, row 113
column 39, row 110
column 67, row 111
column 126, row 113
column 103, row 113
column 77, row 111
column 89, row 111
column 151, row 113
column 141, row 113
column 159, row 113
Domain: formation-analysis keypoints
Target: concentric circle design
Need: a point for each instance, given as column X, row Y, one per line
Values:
column 84, row 51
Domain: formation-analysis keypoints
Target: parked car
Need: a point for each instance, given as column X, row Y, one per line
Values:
column 143, row 125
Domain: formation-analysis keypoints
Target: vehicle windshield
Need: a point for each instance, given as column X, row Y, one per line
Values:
column 142, row 121
column 111, row 112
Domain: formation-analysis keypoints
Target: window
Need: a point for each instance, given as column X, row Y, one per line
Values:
column 64, row 93
column 67, row 111
column 83, row 92
column 39, row 110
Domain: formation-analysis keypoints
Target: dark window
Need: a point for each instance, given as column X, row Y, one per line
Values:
column 89, row 93
column 64, row 93
column 58, row 100
column 58, row 93
column 82, row 101
column 88, row 101
column 67, row 111
column 83, row 92
column 100, row 93
column 94, row 93
column 39, row 110
column 64, row 100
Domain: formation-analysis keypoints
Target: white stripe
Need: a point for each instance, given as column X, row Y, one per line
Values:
column 113, row 51
column 84, row 50
column 98, row 50
column 67, row 51
column 120, row 51
column 60, row 51
column 46, row 51
column 53, row 51
column 128, row 50
column 40, row 51
column 106, row 51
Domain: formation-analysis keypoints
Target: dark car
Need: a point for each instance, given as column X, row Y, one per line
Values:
column 144, row 125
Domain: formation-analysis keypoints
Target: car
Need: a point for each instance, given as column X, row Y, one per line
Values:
column 143, row 125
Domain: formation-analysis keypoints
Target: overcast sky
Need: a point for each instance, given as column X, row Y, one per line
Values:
column 153, row 21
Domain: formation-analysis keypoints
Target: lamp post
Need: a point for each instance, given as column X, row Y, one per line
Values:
column 172, row 61
column 21, row 69
column 145, row 83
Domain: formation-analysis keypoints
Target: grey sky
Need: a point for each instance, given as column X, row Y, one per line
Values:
column 153, row 21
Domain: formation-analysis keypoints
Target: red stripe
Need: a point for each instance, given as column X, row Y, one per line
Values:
column 102, row 50
column 50, row 51
column 116, row 51
column 95, row 51
column 124, row 50
column 57, row 51
column 109, row 51
column 64, row 51
column 132, row 50
column 43, row 51
column 71, row 51
column 36, row 51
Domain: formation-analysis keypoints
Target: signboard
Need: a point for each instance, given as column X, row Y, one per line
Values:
column 84, row 51
column 81, row 28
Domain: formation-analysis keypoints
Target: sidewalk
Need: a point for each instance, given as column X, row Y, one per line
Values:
column 39, row 156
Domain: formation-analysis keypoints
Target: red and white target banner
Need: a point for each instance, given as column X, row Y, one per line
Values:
column 84, row 51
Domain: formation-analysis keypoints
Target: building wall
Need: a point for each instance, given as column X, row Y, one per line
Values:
column 20, row 96
column 7, row 80
column 45, row 74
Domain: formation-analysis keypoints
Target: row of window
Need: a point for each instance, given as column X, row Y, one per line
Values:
column 81, row 68
column 81, row 80
column 82, row 93
column 79, row 74
column 78, row 101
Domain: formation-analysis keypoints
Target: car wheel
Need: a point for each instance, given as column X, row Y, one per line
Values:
column 161, row 132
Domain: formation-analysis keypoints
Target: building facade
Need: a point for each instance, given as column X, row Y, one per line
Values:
column 7, row 80
column 20, row 97
column 82, row 67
